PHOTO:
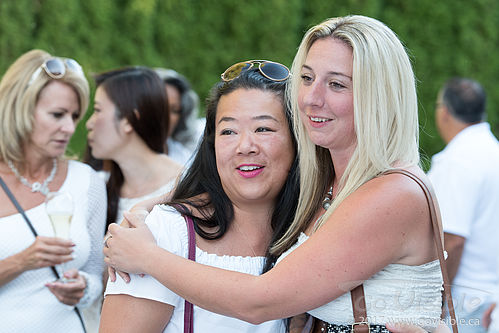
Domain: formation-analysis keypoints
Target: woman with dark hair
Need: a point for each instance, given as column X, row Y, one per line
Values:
column 129, row 128
column 128, row 132
column 241, row 191
column 184, row 128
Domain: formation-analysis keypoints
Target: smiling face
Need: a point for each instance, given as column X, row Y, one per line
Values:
column 325, row 96
column 104, row 135
column 55, row 117
column 253, row 145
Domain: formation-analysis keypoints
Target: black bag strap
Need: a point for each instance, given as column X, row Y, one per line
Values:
column 19, row 208
column 28, row 222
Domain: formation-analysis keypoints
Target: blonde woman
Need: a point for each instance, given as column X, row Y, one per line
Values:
column 354, row 103
column 42, row 98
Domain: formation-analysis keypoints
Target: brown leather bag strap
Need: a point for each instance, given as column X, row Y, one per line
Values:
column 357, row 294
column 437, row 232
column 360, row 324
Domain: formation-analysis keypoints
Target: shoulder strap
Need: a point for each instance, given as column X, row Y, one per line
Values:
column 188, row 307
column 357, row 294
column 28, row 222
column 436, row 223
column 360, row 324
column 18, row 206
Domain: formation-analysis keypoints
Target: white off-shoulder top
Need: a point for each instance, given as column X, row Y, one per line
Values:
column 170, row 230
column 398, row 293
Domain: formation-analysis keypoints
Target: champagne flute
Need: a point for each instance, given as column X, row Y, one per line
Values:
column 59, row 207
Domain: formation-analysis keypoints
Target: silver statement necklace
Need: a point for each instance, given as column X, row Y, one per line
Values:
column 326, row 203
column 36, row 186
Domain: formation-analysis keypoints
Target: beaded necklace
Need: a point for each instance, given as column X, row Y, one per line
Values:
column 36, row 186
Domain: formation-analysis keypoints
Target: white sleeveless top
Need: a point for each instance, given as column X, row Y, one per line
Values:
column 398, row 293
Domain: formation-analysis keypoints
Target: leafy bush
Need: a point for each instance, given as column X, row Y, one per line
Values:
column 200, row 38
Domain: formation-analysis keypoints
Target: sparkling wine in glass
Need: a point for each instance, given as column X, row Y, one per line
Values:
column 59, row 207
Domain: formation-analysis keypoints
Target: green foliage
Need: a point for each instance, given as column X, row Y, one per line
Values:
column 17, row 26
column 200, row 38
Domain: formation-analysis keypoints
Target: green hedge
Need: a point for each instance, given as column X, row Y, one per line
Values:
column 201, row 38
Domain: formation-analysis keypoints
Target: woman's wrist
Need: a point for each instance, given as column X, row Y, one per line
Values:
column 151, row 255
column 86, row 295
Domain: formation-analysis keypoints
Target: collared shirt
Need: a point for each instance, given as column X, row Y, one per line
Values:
column 465, row 176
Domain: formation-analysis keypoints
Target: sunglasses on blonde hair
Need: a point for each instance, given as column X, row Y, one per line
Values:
column 271, row 70
column 56, row 68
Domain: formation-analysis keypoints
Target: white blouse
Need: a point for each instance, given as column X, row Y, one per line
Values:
column 170, row 230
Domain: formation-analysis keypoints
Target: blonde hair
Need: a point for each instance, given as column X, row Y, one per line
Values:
column 19, row 93
column 385, row 116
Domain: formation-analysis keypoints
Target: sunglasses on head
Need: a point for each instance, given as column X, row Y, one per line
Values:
column 56, row 68
column 271, row 70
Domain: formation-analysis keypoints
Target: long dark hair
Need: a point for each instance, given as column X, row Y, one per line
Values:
column 139, row 96
column 201, row 187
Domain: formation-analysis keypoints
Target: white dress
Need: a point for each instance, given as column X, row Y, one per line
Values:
column 126, row 204
column 398, row 293
column 178, row 152
column 92, row 313
column 26, row 305
column 170, row 230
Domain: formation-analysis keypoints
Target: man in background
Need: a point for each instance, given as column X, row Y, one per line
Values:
column 465, row 176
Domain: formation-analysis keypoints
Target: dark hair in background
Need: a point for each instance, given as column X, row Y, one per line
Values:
column 140, row 97
column 185, row 131
column 465, row 99
column 202, row 176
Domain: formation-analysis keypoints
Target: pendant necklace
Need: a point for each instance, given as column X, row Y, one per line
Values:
column 36, row 186
column 326, row 203
column 328, row 199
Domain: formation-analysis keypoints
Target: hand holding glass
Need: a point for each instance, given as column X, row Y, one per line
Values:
column 59, row 207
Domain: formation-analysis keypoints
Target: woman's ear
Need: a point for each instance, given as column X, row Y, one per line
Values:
column 125, row 126
column 446, row 113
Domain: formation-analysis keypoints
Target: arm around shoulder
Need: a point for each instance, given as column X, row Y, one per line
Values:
column 332, row 256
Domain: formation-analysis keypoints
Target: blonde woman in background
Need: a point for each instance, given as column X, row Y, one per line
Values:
column 42, row 98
